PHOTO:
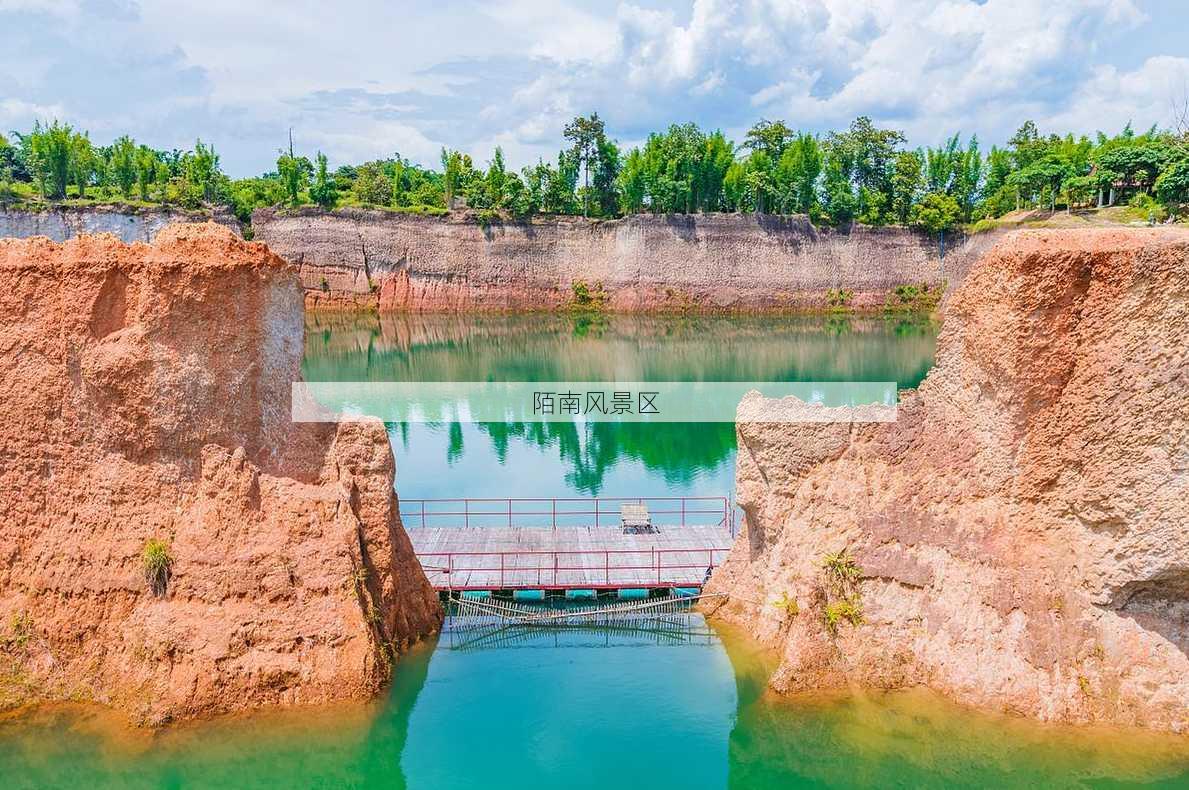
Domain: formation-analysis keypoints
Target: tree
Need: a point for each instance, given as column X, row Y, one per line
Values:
column 293, row 175
column 797, row 174
column 201, row 177
column 907, row 182
column 371, row 187
column 771, row 137
column 586, row 135
column 865, row 154
column 83, row 162
column 1172, row 187
column 146, row 170
column 323, row 191
column 122, row 164
column 936, row 212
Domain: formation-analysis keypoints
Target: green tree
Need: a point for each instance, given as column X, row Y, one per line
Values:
column 146, row 170
column 1172, row 187
column 201, row 178
column 324, row 191
column 907, row 182
column 797, row 174
column 771, row 137
column 122, row 164
column 586, row 136
column 83, row 162
column 371, row 187
column 293, row 175
column 936, row 213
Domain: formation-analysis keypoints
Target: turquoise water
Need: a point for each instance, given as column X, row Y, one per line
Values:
column 685, row 708
column 552, row 459
column 676, row 707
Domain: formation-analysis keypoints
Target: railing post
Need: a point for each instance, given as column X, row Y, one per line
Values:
column 501, row 569
column 596, row 501
column 555, row 584
column 466, row 512
column 509, row 512
column 554, row 500
column 607, row 568
column 423, row 514
column 683, row 511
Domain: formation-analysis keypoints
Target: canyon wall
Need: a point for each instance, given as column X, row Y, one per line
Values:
column 677, row 262
column 127, row 223
column 1022, row 530
column 147, row 398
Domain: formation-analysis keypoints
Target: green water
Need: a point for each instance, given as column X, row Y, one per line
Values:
column 673, row 708
column 589, row 709
column 556, row 459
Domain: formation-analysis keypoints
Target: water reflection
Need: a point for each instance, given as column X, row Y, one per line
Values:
column 496, row 459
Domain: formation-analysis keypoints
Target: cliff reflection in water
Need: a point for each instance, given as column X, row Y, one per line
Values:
column 491, row 459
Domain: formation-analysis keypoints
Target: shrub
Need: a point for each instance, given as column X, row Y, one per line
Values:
column 849, row 610
column 588, row 298
column 838, row 298
column 787, row 605
column 157, row 562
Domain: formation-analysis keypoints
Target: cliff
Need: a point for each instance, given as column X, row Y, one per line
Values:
column 678, row 262
column 127, row 223
column 1020, row 533
column 147, row 398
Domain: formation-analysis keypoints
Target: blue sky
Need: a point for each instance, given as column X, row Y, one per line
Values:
column 364, row 79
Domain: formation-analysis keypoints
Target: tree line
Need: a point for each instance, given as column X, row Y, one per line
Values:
column 864, row 174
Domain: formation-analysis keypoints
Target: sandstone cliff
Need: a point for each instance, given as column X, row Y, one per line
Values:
column 1023, row 530
column 129, row 224
column 677, row 262
column 147, row 397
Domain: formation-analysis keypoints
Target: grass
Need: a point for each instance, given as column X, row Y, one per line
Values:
column 913, row 298
column 840, row 581
column 847, row 610
column 157, row 562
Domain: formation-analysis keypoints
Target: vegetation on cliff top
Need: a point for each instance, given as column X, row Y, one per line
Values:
column 862, row 174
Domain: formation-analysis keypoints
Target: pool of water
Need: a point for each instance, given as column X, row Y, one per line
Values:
column 556, row 459
column 682, row 707
column 676, row 707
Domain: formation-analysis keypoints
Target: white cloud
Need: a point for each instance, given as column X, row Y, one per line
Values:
column 369, row 77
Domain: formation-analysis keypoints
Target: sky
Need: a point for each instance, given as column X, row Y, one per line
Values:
column 363, row 79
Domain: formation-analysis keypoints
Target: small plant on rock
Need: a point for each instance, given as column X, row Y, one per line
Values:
column 839, row 298
column 787, row 605
column 157, row 562
column 840, row 585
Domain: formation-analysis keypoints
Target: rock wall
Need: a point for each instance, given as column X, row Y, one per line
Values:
column 128, row 224
column 1023, row 529
column 147, row 397
column 679, row 262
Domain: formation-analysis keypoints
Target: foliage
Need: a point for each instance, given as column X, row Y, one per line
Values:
column 157, row 563
column 587, row 297
column 845, row 609
column 840, row 580
column 936, row 213
column 863, row 174
column 324, row 191
column 839, row 298
column 787, row 605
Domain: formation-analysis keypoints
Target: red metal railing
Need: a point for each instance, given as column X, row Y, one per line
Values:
column 484, row 570
column 563, row 511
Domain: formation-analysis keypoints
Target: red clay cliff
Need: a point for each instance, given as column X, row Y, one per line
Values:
column 146, row 396
column 1022, row 531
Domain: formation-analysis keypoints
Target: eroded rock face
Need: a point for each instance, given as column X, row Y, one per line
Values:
column 707, row 262
column 147, row 396
column 1023, row 529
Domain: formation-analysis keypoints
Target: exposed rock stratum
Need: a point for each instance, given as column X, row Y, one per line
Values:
column 146, row 396
column 1023, row 529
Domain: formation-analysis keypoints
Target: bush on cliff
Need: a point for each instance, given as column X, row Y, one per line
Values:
column 156, row 560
